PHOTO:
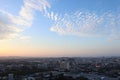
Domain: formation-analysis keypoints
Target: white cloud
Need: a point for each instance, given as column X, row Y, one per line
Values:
column 83, row 24
column 7, row 29
column 25, row 37
column 24, row 19
column 29, row 7
column 79, row 23
column 51, row 15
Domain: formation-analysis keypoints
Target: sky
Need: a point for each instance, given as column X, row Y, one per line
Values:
column 60, row 28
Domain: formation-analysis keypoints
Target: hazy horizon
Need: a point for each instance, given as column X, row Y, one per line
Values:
column 60, row 28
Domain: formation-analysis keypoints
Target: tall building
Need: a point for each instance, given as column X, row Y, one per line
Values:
column 10, row 76
column 64, row 65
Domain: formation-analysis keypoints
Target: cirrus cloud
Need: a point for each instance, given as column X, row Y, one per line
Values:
column 13, row 25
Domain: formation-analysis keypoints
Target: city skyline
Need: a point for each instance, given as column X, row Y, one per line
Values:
column 60, row 28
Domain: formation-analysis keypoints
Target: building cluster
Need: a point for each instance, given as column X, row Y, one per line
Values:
column 100, row 68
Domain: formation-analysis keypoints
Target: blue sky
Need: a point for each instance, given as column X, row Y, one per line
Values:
column 60, row 28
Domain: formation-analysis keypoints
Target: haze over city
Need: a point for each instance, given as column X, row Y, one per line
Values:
column 60, row 28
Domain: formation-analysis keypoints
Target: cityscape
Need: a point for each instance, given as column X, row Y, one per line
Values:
column 62, row 68
column 59, row 39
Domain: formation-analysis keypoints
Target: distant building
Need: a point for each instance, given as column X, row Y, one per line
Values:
column 10, row 76
column 29, row 78
column 43, row 66
column 64, row 65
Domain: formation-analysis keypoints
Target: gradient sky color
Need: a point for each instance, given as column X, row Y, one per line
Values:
column 59, row 28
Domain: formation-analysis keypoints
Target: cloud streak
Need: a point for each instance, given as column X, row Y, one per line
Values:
column 80, row 23
column 24, row 19
column 83, row 24
column 8, row 30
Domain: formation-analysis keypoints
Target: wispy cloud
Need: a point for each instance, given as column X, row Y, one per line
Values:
column 80, row 23
column 24, row 19
column 51, row 15
column 83, row 24
column 8, row 30
column 29, row 7
column 25, row 37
